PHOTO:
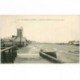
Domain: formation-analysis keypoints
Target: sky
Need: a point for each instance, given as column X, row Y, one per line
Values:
column 42, row 28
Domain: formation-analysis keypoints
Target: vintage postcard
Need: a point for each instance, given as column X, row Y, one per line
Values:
column 39, row 38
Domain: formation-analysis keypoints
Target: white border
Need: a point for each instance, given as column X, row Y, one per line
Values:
column 40, row 71
column 35, row 7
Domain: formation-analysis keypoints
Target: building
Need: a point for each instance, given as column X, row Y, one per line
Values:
column 6, row 42
column 19, row 40
column 74, row 43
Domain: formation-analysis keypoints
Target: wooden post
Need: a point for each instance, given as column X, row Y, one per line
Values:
column 3, row 57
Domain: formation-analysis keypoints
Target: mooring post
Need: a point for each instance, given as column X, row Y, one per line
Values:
column 11, row 55
column 3, row 57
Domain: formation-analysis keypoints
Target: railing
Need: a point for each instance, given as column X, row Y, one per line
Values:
column 8, row 55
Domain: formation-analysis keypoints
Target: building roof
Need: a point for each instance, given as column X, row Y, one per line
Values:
column 17, row 39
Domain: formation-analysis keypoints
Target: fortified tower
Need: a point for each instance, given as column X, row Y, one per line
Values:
column 19, row 32
column 20, row 41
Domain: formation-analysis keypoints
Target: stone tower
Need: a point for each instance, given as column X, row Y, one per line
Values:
column 19, row 32
column 20, row 40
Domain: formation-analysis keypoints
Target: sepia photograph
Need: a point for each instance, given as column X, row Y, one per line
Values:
column 39, row 39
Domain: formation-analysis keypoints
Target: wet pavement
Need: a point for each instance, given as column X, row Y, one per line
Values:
column 30, row 53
